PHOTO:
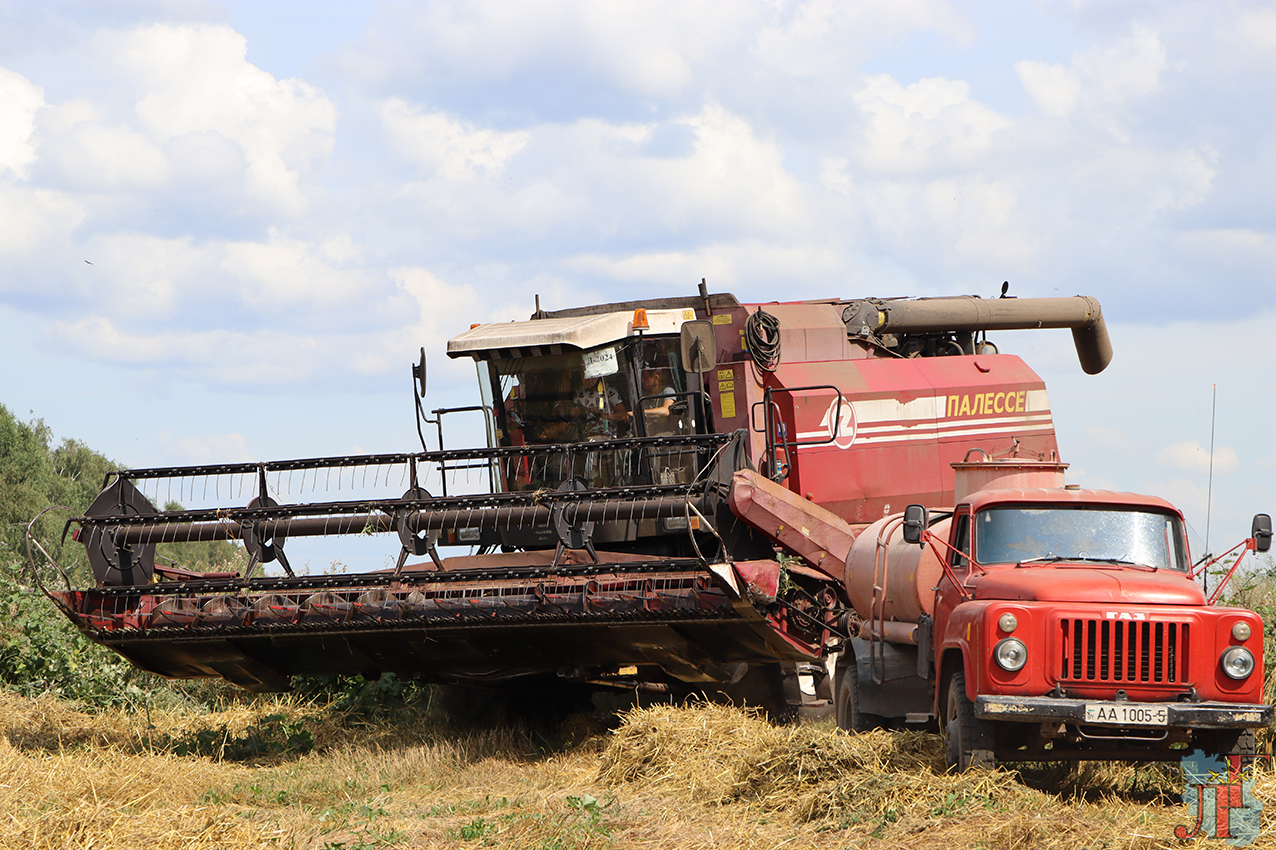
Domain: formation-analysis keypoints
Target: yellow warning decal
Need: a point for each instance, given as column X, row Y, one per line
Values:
column 723, row 386
column 722, row 319
column 688, row 315
column 726, row 374
column 728, row 405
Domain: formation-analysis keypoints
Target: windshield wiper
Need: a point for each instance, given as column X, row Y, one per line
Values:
column 1120, row 562
column 1054, row 559
column 1043, row 559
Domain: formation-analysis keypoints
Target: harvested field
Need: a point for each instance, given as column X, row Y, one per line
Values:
column 288, row 775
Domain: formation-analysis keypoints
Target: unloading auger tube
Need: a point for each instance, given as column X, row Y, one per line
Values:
column 1081, row 314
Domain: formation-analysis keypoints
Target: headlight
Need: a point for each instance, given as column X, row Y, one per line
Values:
column 1010, row 654
column 1237, row 662
column 1007, row 622
column 1241, row 631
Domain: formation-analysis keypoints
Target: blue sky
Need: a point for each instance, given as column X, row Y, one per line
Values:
column 226, row 228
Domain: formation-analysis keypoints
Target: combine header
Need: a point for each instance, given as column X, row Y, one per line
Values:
column 642, row 466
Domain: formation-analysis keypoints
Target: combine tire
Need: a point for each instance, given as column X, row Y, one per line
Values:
column 968, row 739
column 849, row 716
column 539, row 702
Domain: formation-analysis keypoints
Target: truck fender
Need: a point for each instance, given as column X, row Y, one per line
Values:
column 954, row 641
column 954, row 658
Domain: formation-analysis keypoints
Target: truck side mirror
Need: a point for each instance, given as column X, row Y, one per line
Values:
column 915, row 522
column 1261, row 531
column 698, row 351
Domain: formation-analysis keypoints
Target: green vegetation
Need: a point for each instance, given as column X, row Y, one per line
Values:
column 34, row 475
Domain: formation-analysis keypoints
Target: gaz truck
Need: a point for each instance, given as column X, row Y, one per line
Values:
column 1036, row 621
column 695, row 495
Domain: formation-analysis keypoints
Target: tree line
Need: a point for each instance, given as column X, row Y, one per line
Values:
column 40, row 651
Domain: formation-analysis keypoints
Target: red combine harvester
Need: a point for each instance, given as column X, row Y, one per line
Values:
column 698, row 495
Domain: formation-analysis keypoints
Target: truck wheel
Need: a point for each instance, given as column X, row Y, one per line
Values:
column 968, row 739
column 1236, row 742
column 849, row 716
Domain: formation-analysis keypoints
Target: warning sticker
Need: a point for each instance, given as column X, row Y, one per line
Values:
column 722, row 319
column 728, row 405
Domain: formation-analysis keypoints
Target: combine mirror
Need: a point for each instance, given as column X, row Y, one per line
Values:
column 418, row 374
column 698, row 353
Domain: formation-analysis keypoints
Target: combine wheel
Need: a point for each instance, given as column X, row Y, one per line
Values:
column 967, row 738
column 538, row 702
column 849, row 716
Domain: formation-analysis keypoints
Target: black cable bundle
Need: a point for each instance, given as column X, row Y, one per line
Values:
column 762, row 335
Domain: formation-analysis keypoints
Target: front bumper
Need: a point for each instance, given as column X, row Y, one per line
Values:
column 1192, row 715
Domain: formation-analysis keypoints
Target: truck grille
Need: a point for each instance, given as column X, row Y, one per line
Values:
column 1135, row 651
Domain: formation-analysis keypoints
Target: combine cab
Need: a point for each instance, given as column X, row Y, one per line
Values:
column 644, row 465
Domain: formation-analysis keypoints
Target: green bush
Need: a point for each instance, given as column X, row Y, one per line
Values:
column 42, row 653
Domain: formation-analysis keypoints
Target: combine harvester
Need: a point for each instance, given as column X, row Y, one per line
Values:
column 698, row 495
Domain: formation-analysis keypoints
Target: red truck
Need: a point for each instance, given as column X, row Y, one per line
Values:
column 1040, row 621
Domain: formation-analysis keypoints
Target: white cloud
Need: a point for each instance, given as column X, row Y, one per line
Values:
column 1128, row 69
column 962, row 218
column 822, row 37
column 1255, row 29
column 19, row 101
column 1191, row 456
column 440, row 143
column 197, row 449
column 270, row 357
column 101, row 157
column 928, row 124
column 284, row 273
column 444, row 310
column 739, row 176
column 1098, row 77
column 35, row 221
column 142, row 276
column 1054, row 87
column 197, row 80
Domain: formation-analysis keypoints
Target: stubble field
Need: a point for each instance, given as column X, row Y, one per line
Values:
column 287, row 774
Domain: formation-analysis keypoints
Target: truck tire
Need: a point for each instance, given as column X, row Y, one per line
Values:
column 849, row 716
column 968, row 739
column 1236, row 742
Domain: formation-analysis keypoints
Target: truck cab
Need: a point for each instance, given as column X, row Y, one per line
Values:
column 1067, row 625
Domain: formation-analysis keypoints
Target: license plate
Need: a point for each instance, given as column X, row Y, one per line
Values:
column 1125, row 714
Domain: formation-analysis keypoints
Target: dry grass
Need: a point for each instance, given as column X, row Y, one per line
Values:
column 696, row 777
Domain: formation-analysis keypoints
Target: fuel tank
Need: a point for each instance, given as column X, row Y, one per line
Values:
column 889, row 579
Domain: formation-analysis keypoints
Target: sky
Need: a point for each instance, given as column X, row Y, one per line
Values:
column 227, row 228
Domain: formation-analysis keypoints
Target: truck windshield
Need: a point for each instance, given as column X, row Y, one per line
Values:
column 1106, row 535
